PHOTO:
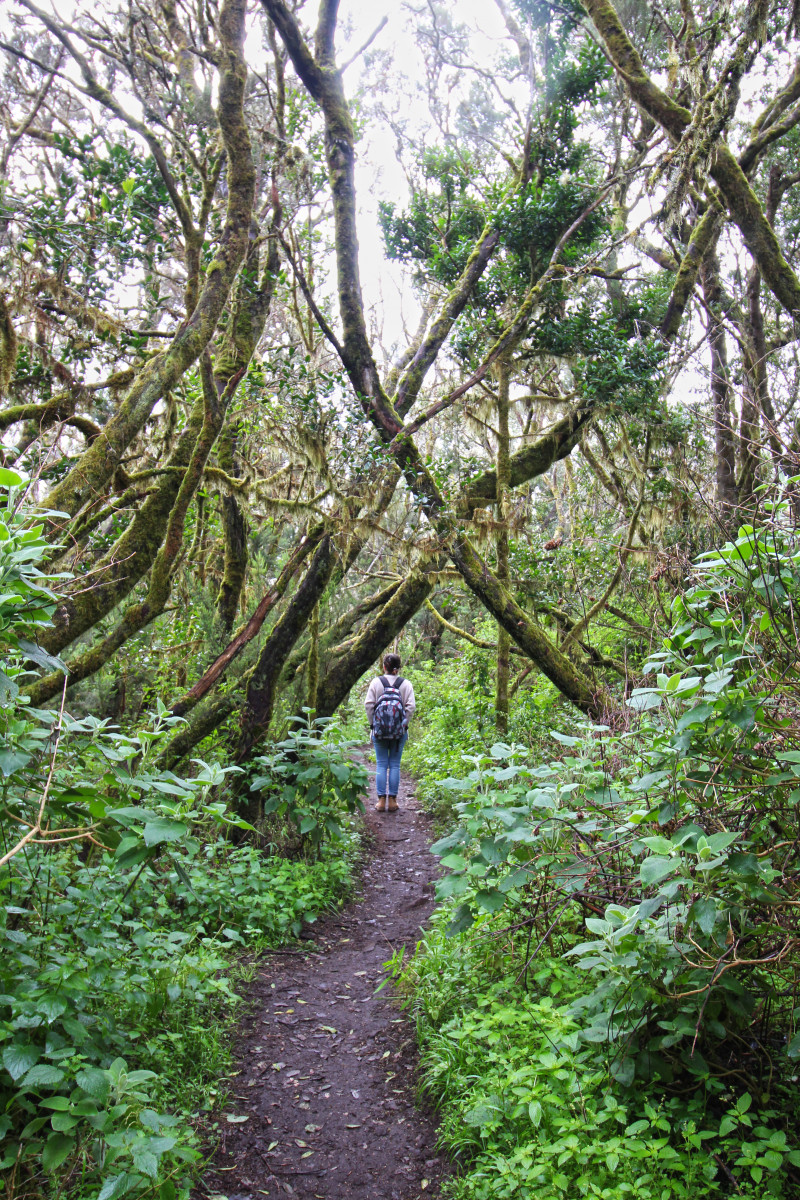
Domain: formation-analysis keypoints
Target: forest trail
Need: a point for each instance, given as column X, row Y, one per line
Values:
column 327, row 1066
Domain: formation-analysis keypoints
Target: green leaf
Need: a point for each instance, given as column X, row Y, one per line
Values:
column 42, row 1076
column 695, row 716
column 12, row 760
column 145, row 1161
column 624, row 1070
column 95, row 1082
column 490, row 851
column 648, row 781
column 114, row 1187
column 164, row 830
column 490, row 900
column 63, row 1122
column 57, row 1147
column 462, row 919
column 19, row 1059
column 535, row 1113
column 793, row 1049
column 451, row 885
column 659, row 845
column 656, row 868
column 35, row 653
column 8, row 688
column 704, row 914
column 9, row 478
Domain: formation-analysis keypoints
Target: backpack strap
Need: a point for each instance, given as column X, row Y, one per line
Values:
column 395, row 682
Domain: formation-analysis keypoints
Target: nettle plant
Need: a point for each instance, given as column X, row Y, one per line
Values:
column 311, row 781
column 672, row 845
column 75, row 794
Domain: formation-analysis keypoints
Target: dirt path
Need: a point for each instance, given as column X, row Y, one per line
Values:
column 324, row 1100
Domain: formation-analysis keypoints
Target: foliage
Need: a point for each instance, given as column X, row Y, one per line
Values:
column 116, row 995
column 311, row 779
column 455, row 701
column 527, row 1106
column 121, row 904
column 661, row 860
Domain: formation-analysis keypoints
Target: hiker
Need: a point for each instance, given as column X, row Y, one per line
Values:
column 390, row 705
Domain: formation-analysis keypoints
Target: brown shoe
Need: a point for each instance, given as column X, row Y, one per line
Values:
column 392, row 805
column 381, row 804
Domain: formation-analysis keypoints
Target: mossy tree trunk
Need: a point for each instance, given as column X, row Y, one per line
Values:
column 502, row 509
column 726, row 491
column 324, row 84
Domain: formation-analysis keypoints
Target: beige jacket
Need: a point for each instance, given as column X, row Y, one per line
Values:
column 376, row 691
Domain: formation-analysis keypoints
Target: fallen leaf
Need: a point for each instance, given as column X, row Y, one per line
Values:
column 313, row 1128
column 355, row 1094
column 278, row 1066
column 234, row 1120
column 352, row 1126
column 307, row 1154
column 424, row 1184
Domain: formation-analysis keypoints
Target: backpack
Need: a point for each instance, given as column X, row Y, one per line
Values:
column 389, row 715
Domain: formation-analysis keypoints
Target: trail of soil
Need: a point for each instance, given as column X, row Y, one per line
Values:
column 324, row 1098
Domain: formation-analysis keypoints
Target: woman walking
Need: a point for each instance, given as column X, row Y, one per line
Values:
column 390, row 705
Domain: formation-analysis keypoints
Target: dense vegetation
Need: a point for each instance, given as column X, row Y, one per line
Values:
column 628, row 897
column 231, row 478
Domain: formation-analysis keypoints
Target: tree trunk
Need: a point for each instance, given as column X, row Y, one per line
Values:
column 312, row 672
column 726, row 491
column 372, row 639
column 263, row 681
column 502, row 511
column 234, row 529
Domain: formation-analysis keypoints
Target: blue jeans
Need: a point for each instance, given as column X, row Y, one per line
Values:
column 387, row 758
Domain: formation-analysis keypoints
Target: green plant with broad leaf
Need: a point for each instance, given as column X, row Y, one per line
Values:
column 662, row 856
column 311, row 780
column 122, row 902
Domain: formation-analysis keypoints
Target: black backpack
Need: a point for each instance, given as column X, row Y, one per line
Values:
column 389, row 715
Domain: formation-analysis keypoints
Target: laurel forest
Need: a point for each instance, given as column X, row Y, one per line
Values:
column 467, row 332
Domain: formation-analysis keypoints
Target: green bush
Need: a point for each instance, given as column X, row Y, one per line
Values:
column 121, row 906
column 528, row 1108
column 655, row 867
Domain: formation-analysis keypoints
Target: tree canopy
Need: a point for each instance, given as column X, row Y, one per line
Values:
column 598, row 241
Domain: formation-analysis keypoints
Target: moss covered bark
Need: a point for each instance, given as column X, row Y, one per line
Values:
column 372, row 640
column 263, row 680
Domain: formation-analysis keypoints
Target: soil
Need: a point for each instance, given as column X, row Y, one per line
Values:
column 324, row 1103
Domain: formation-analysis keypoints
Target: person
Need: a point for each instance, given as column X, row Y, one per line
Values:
column 385, row 697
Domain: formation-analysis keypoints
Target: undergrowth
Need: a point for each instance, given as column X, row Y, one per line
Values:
column 127, row 893
column 117, row 1001
column 643, row 882
column 529, row 1111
